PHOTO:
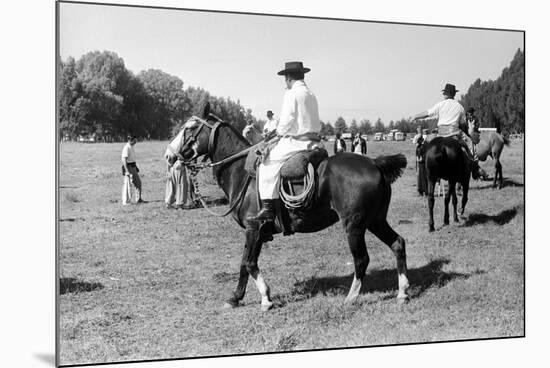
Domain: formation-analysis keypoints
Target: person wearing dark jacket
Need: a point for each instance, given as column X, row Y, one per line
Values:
column 358, row 145
column 339, row 144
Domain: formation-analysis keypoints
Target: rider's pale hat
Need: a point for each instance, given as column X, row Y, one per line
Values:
column 293, row 67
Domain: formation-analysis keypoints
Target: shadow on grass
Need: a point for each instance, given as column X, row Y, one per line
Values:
column 501, row 218
column 420, row 279
column 507, row 182
column 72, row 285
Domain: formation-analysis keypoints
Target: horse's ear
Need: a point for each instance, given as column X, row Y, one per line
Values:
column 206, row 110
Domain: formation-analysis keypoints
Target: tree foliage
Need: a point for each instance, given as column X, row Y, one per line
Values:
column 99, row 96
column 500, row 103
column 340, row 126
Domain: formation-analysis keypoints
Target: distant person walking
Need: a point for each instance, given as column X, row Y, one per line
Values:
column 130, row 172
column 178, row 188
column 339, row 144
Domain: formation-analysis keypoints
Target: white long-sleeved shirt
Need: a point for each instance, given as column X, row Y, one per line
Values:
column 448, row 112
column 300, row 112
column 270, row 125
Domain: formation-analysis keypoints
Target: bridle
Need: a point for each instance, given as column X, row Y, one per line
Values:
column 195, row 168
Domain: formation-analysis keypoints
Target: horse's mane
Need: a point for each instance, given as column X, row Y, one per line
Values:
column 233, row 129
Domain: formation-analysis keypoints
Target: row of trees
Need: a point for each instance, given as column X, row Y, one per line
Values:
column 99, row 96
column 365, row 126
column 501, row 103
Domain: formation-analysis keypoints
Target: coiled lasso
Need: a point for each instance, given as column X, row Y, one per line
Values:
column 303, row 199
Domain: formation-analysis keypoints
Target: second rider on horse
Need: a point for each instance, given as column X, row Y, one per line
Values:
column 451, row 117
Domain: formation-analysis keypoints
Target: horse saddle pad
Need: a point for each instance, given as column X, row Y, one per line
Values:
column 296, row 166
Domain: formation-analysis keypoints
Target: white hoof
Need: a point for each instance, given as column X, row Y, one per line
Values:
column 227, row 305
column 403, row 299
column 267, row 306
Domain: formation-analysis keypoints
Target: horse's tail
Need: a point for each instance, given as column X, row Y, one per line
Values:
column 391, row 167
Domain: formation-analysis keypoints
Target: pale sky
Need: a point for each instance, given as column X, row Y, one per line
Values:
column 359, row 69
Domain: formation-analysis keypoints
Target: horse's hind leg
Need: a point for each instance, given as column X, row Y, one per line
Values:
column 431, row 188
column 452, row 189
column 383, row 231
column 447, row 200
column 358, row 247
column 498, row 172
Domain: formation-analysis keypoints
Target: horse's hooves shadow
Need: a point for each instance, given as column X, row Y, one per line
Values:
column 501, row 218
column 385, row 280
column 72, row 285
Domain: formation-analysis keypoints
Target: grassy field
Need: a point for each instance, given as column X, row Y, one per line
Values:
column 143, row 282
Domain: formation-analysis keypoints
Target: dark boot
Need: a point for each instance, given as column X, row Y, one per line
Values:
column 267, row 213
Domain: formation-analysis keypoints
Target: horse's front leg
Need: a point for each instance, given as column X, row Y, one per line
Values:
column 465, row 188
column 455, row 202
column 238, row 294
column 251, row 265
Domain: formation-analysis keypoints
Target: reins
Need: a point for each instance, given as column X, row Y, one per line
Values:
column 195, row 168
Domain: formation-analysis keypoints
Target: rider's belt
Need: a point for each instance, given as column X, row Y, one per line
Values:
column 305, row 137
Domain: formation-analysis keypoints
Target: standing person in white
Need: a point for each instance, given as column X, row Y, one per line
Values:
column 299, row 127
column 271, row 123
column 130, row 172
column 451, row 116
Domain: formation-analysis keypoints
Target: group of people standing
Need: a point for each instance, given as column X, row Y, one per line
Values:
column 179, row 188
column 358, row 144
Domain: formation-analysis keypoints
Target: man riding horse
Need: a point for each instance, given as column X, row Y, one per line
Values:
column 451, row 117
column 298, row 129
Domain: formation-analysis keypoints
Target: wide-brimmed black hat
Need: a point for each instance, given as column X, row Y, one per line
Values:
column 450, row 88
column 269, row 112
column 293, row 67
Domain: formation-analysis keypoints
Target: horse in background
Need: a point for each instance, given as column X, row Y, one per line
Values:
column 492, row 145
column 445, row 159
column 252, row 134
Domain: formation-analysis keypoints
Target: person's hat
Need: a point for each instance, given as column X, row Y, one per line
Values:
column 450, row 89
column 293, row 67
column 471, row 110
column 269, row 112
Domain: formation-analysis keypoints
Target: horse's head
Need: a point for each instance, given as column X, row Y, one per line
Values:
column 193, row 140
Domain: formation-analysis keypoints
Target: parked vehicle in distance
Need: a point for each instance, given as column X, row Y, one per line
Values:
column 400, row 136
column 378, row 137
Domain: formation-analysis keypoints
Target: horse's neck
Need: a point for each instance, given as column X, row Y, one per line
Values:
column 232, row 174
column 483, row 149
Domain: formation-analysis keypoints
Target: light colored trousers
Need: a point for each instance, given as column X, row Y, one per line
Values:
column 128, row 185
column 177, row 186
column 451, row 130
column 268, row 171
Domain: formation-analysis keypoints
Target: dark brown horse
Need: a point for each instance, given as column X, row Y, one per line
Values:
column 492, row 146
column 444, row 159
column 352, row 188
